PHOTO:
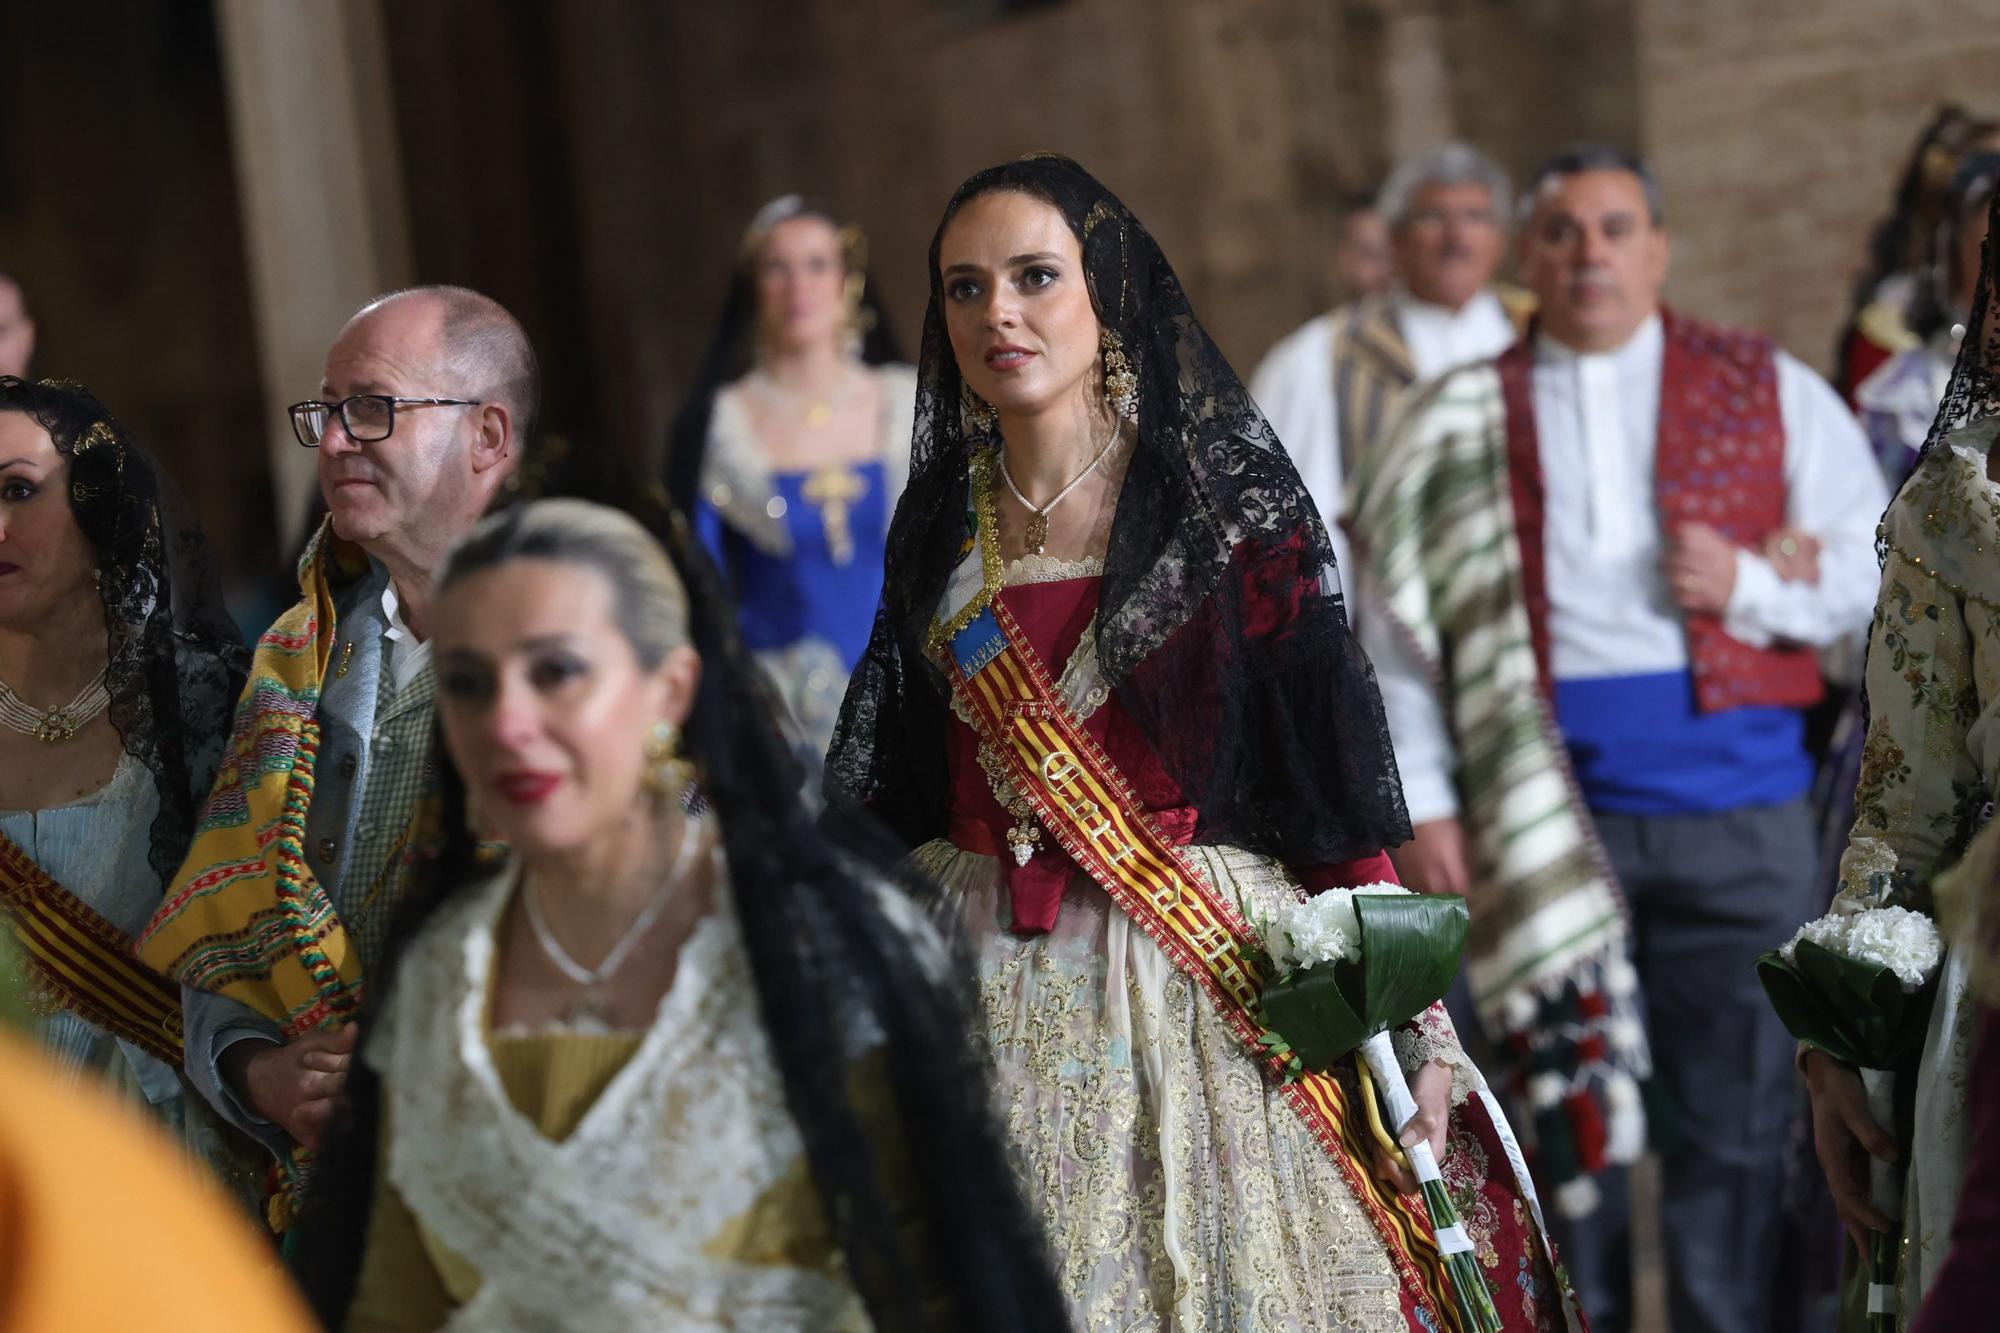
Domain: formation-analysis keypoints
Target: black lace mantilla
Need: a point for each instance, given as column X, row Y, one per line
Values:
column 1271, row 723
column 176, row 662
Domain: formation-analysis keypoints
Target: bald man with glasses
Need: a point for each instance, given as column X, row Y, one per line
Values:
column 326, row 821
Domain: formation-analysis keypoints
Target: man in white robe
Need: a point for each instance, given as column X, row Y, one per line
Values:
column 1331, row 387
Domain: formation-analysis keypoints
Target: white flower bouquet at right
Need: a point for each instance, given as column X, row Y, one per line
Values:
column 1356, row 963
column 1860, row 986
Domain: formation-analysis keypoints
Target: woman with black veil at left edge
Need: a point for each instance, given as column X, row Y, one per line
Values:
column 118, row 669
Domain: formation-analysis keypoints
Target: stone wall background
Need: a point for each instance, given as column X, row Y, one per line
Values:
column 1778, row 126
column 592, row 162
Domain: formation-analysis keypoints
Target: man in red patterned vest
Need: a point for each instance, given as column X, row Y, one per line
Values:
column 1669, row 517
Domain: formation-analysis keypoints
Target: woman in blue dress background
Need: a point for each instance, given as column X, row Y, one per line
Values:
column 792, row 451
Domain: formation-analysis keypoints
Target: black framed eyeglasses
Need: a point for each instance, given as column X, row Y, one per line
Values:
column 367, row 417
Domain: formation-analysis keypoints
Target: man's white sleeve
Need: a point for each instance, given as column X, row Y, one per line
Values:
column 1417, row 726
column 1293, row 387
column 1834, row 492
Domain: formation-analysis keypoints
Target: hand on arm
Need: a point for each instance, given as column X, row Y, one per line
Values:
column 1435, row 860
column 1811, row 581
column 1793, row 555
column 1701, row 569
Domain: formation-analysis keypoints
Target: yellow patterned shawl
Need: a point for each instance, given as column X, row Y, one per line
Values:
column 246, row 917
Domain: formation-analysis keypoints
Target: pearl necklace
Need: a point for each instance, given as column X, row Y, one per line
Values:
column 1038, row 515
column 592, row 1009
column 54, row 725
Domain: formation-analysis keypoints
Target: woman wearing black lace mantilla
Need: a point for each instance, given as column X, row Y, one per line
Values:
column 118, row 669
column 1104, row 546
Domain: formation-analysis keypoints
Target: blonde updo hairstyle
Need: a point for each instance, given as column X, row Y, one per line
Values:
column 649, row 602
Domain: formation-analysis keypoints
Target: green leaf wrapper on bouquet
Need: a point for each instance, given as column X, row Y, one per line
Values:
column 1860, row 986
column 1359, row 962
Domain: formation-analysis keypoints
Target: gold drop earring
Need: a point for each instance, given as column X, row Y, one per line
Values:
column 1121, row 382
column 980, row 418
column 668, row 773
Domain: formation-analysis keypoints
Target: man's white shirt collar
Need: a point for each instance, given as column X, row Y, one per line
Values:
column 404, row 656
column 1441, row 339
column 1644, row 348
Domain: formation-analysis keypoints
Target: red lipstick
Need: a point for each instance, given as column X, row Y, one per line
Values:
column 527, row 787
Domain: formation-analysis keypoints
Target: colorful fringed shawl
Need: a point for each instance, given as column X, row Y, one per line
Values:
column 246, row 917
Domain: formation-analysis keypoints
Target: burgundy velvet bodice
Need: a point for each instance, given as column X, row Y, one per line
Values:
column 1054, row 618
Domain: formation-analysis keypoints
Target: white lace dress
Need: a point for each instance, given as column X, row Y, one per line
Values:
column 680, row 1200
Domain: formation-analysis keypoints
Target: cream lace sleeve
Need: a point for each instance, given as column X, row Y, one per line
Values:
column 1918, row 799
column 1431, row 1036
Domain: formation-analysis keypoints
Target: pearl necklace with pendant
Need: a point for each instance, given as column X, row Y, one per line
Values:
column 1038, row 515
column 55, row 725
column 818, row 413
column 591, row 1010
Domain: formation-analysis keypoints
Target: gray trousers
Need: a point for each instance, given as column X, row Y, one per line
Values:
column 1708, row 893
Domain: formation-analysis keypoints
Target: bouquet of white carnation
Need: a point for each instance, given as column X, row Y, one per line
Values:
column 1325, row 928
column 1905, row 942
column 1355, row 963
column 1859, row 986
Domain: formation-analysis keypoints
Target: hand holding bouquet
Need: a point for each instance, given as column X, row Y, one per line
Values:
column 1859, row 986
column 1356, row 963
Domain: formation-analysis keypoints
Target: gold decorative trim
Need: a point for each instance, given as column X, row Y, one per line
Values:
column 1964, row 594
column 986, row 537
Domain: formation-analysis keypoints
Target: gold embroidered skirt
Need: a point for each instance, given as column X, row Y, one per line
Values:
column 1179, row 1190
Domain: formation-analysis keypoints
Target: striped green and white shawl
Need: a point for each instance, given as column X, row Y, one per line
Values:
column 1432, row 518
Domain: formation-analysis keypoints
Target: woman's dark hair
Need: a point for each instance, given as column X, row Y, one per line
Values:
column 175, row 660
column 1902, row 240
column 733, row 350
column 1971, row 189
column 951, row 1247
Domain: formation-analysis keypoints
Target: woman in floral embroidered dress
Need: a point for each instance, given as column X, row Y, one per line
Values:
column 1089, row 474
column 1928, row 772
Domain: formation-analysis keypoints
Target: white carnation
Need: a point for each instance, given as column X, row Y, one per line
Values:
column 1905, row 942
column 1324, row 928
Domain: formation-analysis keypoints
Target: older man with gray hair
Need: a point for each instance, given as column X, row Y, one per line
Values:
column 1331, row 387
column 1637, row 526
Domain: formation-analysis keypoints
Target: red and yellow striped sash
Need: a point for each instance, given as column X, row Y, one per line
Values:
column 1084, row 802
column 84, row 963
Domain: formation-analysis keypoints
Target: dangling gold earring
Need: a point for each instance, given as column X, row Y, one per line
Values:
column 1121, row 383
column 980, row 418
column 668, row 775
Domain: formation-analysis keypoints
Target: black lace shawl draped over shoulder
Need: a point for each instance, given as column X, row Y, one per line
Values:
column 916, row 1183
column 1220, row 624
column 176, row 661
